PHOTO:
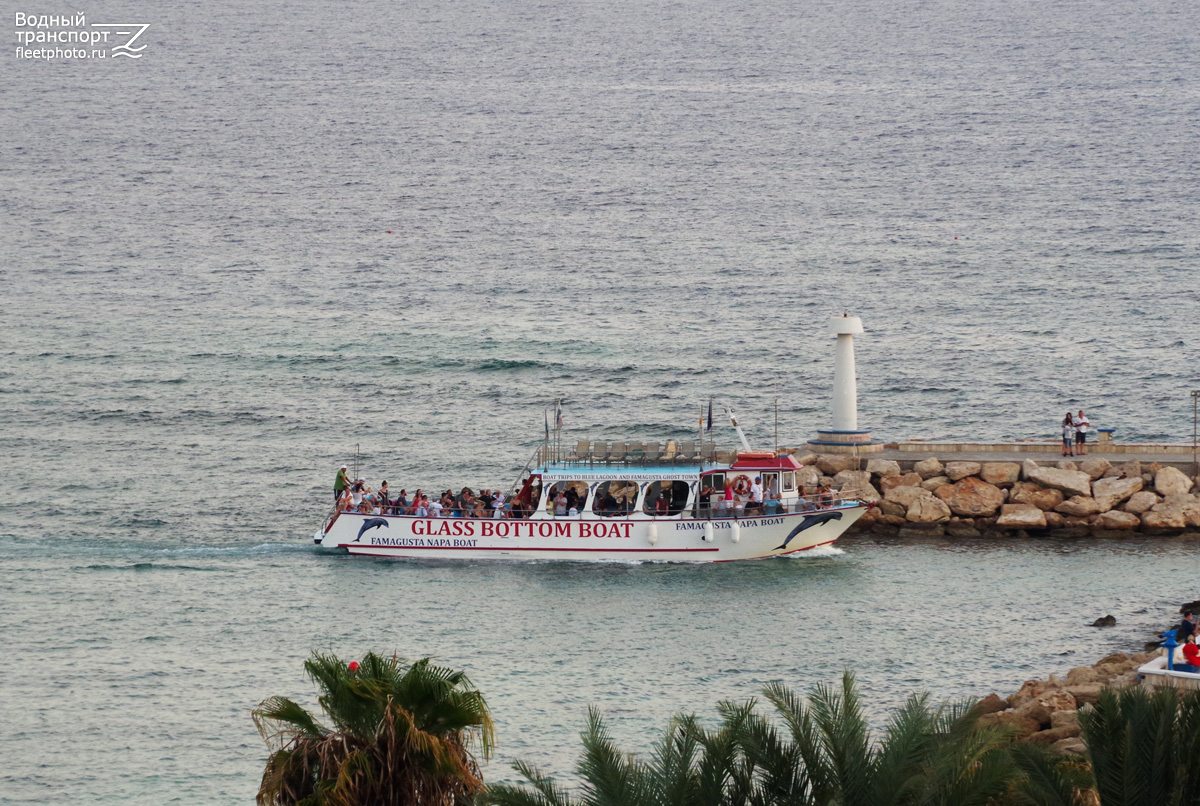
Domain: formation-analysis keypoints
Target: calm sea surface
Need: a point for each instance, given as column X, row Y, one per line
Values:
column 632, row 206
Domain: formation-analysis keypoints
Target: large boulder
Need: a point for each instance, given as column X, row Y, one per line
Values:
column 883, row 467
column 1110, row 492
column 1066, row 465
column 1095, row 466
column 904, row 480
column 960, row 470
column 928, row 468
column 1072, row 746
column 808, row 476
column 1074, row 482
column 971, row 497
column 1082, row 674
column 934, row 482
column 1131, row 469
column 806, row 459
column 892, row 508
column 1169, row 481
column 1086, row 693
column 1116, row 521
column 1027, row 467
column 1079, row 506
column 927, row 509
column 991, row 704
column 1026, row 492
column 1141, row 502
column 833, row 463
column 1187, row 504
column 905, row 495
column 1021, row 516
column 1164, row 519
column 1053, row 736
column 1000, row 474
column 855, row 479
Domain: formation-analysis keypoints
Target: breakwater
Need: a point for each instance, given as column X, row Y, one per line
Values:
column 1084, row 496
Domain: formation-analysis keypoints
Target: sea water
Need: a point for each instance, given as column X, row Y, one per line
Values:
column 636, row 208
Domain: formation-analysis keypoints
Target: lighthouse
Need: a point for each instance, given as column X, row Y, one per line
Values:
column 844, row 436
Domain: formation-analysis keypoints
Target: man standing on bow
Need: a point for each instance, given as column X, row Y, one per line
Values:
column 340, row 483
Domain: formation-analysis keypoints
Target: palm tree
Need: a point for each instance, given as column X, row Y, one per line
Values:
column 823, row 755
column 1145, row 747
column 399, row 735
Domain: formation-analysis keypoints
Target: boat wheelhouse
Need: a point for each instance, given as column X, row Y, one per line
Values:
column 620, row 502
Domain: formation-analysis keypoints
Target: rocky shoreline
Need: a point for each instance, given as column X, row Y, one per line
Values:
column 1046, row 712
column 1090, row 497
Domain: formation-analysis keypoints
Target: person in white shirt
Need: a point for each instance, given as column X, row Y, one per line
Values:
column 1081, row 423
column 756, row 494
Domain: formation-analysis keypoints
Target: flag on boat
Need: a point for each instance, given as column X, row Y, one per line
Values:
column 710, row 415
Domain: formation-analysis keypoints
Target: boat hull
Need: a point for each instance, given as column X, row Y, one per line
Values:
column 589, row 539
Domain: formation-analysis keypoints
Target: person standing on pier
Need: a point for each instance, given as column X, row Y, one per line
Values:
column 1081, row 424
column 1068, row 436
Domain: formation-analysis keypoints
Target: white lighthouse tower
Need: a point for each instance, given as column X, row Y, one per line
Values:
column 845, row 436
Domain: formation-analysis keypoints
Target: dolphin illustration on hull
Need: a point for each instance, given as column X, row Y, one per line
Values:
column 375, row 523
column 808, row 522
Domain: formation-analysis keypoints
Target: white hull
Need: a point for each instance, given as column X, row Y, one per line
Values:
column 542, row 537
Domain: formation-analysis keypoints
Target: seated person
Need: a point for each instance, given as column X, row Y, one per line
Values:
column 608, row 506
column 1191, row 654
column 662, row 506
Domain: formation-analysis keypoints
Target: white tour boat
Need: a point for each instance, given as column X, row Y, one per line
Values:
column 630, row 502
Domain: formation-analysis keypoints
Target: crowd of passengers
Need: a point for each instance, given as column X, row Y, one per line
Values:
column 357, row 496
column 563, row 500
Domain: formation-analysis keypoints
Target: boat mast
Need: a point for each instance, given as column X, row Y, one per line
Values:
column 738, row 429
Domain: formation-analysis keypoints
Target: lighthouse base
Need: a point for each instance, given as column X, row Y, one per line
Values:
column 845, row 442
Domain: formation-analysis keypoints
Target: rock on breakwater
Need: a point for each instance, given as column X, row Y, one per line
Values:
column 1046, row 712
column 1089, row 497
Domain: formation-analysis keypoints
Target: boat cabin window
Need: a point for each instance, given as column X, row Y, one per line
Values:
column 574, row 496
column 789, row 481
column 666, row 497
column 770, row 485
column 615, row 498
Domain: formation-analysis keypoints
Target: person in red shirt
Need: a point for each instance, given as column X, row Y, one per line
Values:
column 1191, row 654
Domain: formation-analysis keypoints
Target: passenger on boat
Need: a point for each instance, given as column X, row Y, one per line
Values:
column 756, row 496
column 1191, row 654
column 340, row 483
column 478, row 510
column 400, row 503
column 381, row 496
column 560, row 504
column 498, row 508
column 727, row 500
column 357, row 491
column 435, row 508
column 344, row 503
column 662, row 505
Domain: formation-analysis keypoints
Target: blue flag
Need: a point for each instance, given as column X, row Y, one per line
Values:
column 710, row 415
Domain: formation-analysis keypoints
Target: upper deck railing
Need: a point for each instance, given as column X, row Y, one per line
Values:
column 631, row 453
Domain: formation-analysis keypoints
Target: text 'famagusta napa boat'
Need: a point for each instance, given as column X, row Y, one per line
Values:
column 627, row 501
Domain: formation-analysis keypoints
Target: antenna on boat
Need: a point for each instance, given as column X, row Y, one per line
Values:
column 738, row 429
